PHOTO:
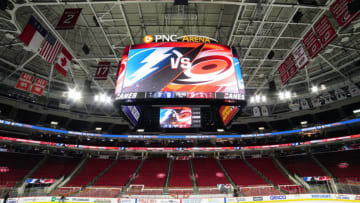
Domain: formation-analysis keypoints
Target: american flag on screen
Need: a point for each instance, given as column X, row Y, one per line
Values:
column 51, row 48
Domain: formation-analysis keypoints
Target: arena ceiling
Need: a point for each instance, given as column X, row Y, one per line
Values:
column 254, row 27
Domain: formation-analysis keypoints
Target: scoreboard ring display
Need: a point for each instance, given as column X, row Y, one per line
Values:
column 157, row 73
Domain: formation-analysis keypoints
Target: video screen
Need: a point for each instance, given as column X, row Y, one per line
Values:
column 179, row 70
column 179, row 117
column 227, row 113
column 133, row 113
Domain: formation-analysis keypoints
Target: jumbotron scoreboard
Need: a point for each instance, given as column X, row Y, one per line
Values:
column 180, row 84
column 183, row 71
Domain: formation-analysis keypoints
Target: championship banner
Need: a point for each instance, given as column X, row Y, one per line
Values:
column 301, row 60
column 312, row 43
column 24, row 82
column 287, row 69
column 102, row 71
column 339, row 10
column 325, row 31
column 39, row 86
column 227, row 113
column 68, row 19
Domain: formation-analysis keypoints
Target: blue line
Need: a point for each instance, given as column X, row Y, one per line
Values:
column 10, row 123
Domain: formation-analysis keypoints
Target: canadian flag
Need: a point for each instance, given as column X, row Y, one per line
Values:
column 63, row 62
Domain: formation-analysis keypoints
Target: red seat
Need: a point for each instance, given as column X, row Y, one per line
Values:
column 91, row 169
column 180, row 174
column 208, row 172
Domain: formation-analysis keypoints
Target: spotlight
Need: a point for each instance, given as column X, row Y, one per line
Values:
column 54, row 123
column 314, row 89
column 96, row 98
column 303, row 122
column 322, row 87
column 140, row 130
column 263, row 98
column 287, row 95
column 252, row 99
column 261, row 128
column 283, row 95
column 102, row 98
column 98, row 129
column 74, row 95
column 220, row 130
column 257, row 98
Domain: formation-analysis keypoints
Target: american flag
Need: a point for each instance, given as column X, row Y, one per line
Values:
column 51, row 48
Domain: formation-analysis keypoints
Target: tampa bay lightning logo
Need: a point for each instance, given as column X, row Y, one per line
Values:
column 144, row 62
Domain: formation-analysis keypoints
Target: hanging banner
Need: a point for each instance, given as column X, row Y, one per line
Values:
column 354, row 90
column 301, row 60
column 227, row 113
column 339, row 10
column 256, row 111
column 294, row 105
column 325, row 31
column 304, row 104
column 102, row 71
column 315, row 102
column 327, row 98
column 39, row 86
column 68, row 19
column 340, row 94
column 287, row 69
column 264, row 111
column 24, row 82
column 312, row 43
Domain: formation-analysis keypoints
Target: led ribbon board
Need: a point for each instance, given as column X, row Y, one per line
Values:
column 21, row 125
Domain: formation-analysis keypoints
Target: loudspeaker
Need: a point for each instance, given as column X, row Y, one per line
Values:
column 354, row 6
column 96, row 22
column 181, row 2
column 297, row 17
column 272, row 86
column 308, row 2
column 86, row 49
column 271, row 55
column 87, row 86
column 4, row 4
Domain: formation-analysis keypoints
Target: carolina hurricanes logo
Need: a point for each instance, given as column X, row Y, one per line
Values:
column 208, row 67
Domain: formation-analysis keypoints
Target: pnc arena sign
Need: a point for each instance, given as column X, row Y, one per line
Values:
column 175, row 38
